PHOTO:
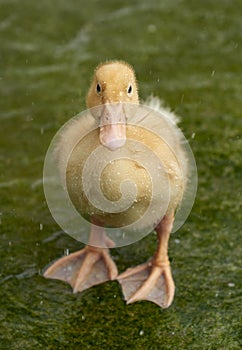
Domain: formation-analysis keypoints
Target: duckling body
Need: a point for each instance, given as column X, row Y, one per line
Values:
column 117, row 172
column 115, row 83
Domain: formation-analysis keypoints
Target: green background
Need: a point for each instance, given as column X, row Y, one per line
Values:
column 189, row 53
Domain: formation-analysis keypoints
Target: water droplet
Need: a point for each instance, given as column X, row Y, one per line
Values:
column 66, row 252
column 151, row 28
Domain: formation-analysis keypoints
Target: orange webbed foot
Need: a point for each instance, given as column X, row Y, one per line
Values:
column 84, row 269
column 148, row 282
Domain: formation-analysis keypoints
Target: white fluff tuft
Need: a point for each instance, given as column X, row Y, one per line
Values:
column 158, row 105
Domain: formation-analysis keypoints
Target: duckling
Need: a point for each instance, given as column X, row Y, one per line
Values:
column 114, row 82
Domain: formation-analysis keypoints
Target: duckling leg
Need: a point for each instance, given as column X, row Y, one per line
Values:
column 153, row 280
column 87, row 267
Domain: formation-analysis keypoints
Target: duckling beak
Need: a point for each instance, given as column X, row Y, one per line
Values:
column 112, row 126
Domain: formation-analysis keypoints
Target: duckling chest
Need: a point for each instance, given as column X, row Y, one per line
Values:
column 92, row 168
column 97, row 178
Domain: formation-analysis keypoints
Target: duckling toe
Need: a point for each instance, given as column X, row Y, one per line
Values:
column 147, row 282
column 84, row 269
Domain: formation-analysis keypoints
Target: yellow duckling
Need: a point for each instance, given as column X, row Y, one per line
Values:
column 115, row 83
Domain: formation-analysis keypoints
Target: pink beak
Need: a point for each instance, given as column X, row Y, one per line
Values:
column 113, row 126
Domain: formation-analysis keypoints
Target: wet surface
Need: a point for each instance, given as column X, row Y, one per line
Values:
column 189, row 54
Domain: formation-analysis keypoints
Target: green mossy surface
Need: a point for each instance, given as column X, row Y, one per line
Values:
column 189, row 53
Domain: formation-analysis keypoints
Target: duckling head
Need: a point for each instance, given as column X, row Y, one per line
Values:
column 113, row 84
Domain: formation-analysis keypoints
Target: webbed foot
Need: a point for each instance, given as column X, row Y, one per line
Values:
column 84, row 269
column 148, row 282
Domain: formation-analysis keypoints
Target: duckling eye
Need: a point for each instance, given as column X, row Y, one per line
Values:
column 98, row 88
column 129, row 90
